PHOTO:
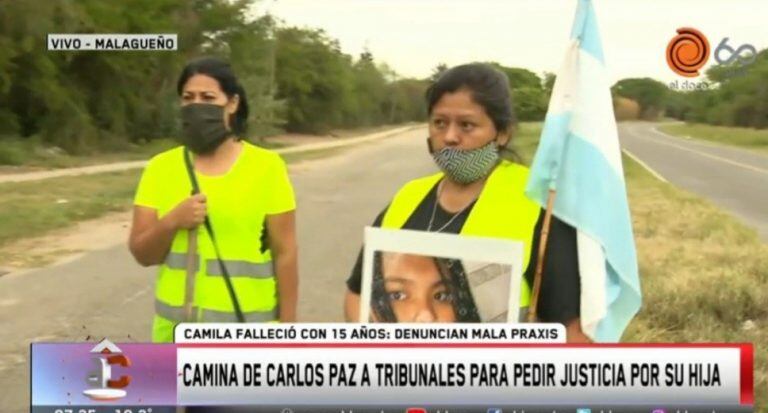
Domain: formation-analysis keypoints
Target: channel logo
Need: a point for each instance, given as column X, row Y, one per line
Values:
column 687, row 52
column 105, row 355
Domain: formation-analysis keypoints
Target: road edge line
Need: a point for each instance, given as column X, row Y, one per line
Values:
column 711, row 156
column 708, row 143
column 645, row 166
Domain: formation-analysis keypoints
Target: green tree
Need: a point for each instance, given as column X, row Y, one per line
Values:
column 519, row 77
column 409, row 105
column 737, row 96
column 529, row 98
column 648, row 93
column 314, row 78
column 548, row 83
column 83, row 100
column 437, row 71
column 371, row 99
column 530, row 103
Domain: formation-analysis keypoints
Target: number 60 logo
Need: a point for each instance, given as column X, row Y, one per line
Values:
column 689, row 51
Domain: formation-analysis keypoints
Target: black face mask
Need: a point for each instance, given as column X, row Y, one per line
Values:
column 203, row 128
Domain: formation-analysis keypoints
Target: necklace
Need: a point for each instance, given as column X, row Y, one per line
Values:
column 434, row 209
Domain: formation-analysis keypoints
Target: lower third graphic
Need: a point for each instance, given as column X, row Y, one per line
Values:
column 105, row 355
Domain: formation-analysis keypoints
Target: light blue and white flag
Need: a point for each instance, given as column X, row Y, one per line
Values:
column 579, row 157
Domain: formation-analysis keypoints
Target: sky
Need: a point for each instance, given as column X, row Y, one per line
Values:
column 413, row 36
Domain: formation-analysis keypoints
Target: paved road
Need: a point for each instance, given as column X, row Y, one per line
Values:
column 734, row 179
column 104, row 294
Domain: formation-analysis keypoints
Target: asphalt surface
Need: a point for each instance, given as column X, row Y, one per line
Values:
column 106, row 294
column 734, row 179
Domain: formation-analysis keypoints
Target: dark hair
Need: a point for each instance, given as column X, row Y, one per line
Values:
column 489, row 88
column 452, row 273
column 222, row 72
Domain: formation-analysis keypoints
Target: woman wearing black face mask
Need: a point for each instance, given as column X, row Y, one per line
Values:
column 480, row 194
column 244, row 192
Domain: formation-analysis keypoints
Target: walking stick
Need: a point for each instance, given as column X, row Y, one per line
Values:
column 540, row 257
column 189, row 285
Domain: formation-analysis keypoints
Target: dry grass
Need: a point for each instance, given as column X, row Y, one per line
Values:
column 704, row 274
column 29, row 209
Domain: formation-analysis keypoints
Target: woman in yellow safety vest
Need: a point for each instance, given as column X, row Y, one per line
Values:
column 250, row 256
column 478, row 193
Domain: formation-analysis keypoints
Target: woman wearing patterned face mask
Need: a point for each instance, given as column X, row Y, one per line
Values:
column 249, row 257
column 479, row 193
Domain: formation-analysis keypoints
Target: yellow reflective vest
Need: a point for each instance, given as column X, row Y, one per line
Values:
column 501, row 211
column 238, row 202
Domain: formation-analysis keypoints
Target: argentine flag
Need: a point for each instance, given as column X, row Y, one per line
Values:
column 579, row 158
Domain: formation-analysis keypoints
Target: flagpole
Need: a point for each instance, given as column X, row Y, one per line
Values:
column 540, row 257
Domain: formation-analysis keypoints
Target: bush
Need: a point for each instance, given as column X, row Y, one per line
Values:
column 14, row 151
column 626, row 109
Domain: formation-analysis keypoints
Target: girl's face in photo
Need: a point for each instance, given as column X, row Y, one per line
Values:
column 458, row 121
column 415, row 290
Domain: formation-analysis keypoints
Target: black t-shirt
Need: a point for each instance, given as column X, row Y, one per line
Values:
column 560, row 284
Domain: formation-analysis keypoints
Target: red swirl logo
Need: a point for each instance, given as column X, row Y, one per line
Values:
column 687, row 52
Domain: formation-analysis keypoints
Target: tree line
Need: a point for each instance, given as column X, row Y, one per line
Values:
column 296, row 79
column 727, row 95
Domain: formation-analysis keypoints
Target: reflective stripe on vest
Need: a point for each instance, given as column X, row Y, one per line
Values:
column 238, row 217
column 178, row 261
column 236, row 268
column 177, row 314
column 501, row 211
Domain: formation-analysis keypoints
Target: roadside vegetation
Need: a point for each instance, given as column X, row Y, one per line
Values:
column 704, row 274
column 748, row 138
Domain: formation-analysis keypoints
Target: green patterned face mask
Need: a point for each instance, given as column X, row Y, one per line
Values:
column 467, row 166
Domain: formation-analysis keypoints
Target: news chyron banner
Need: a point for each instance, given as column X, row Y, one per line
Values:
column 411, row 368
